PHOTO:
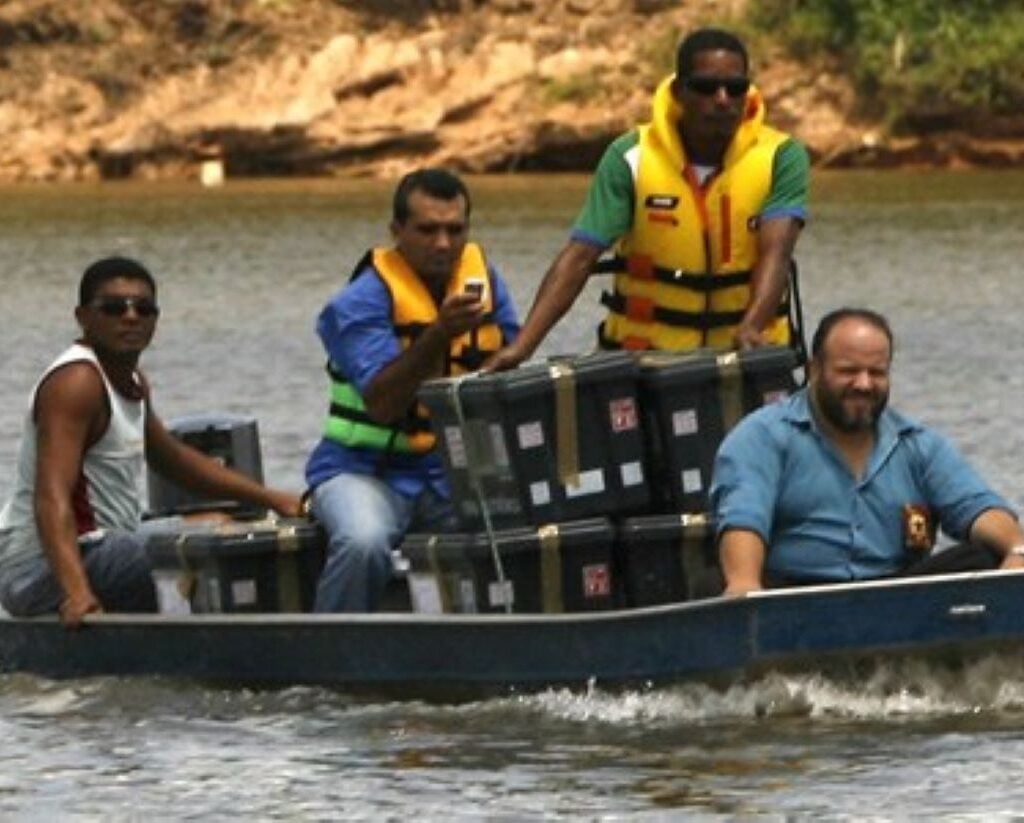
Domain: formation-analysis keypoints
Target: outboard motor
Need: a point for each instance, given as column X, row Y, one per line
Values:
column 231, row 439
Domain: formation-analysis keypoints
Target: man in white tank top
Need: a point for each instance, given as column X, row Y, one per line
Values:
column 69, row 535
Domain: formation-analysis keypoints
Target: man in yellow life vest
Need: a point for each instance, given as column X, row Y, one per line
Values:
column 704, row 204
column 426, row 307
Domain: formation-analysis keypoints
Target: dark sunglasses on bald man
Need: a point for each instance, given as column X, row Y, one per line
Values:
column 118, row 306
column 707, row 86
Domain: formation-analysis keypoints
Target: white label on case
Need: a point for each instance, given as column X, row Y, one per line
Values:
column 531, row 435
column 692, row 481
column 590, row 482
column 424, row 593
column 501, row 593
column 169, row 596
column 456, row 447
column 540, row 493
column 632, row 473
column 243, row 592
column 684, row 422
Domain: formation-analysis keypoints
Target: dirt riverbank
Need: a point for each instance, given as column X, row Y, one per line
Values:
column 149, row 88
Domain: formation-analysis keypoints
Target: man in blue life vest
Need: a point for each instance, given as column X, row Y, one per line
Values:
column 71, row 536
column 832, row 485
column 427, row 307
column 705, row 203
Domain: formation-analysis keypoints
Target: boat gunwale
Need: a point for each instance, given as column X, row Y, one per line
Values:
column 490, row 618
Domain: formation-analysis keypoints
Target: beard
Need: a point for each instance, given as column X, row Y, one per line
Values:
column 833, row 408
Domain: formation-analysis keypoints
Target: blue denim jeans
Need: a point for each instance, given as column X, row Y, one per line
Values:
column 365, row 520
column 118, row 569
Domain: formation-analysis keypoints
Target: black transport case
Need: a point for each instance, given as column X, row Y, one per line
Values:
column 547, row 442
column 690, row 401
column 666, row 558
column 467, row 418
column 563, row 568
column 242, row 567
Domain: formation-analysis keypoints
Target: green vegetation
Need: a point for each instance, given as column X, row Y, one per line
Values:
column 657, row 55
column 918, row 64
column 579, row 88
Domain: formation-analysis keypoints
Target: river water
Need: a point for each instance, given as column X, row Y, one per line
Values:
column 242, row 271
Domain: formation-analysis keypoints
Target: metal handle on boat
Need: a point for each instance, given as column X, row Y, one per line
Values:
column 967, row 611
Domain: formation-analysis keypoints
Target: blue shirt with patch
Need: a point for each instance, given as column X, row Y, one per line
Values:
column 777, row 475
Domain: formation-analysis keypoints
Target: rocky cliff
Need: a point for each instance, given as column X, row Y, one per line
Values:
column 151, row 88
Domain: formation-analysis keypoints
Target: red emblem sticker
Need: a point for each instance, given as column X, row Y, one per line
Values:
column 623, row 414
column 597, row 580
column 661, row 217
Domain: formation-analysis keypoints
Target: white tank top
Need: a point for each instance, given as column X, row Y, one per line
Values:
column 109, row 491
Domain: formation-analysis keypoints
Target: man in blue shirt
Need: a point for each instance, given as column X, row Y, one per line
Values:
column 426, row 307
column 830, row 485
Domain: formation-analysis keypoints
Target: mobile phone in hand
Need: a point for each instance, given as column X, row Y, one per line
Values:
column 475, row 287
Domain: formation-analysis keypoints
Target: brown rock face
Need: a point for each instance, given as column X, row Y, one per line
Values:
column 146, row 88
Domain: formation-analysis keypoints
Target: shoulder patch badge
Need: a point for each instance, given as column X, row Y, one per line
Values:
column 918, row 528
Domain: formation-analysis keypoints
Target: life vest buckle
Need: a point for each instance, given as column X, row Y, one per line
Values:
column 640, row 266
column 640, row 309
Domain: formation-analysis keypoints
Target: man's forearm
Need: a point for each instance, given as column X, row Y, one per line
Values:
column 56, row 524
column 742, row 555
column 394, row 389
column 999, row 530
column 770, row 275
column 561, row 285
column 767, row 287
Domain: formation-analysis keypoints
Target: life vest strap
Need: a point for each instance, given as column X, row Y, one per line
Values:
column 411, row 424
column 643, row 310
column 702, row 321
column 633, row 343
column 643, row 268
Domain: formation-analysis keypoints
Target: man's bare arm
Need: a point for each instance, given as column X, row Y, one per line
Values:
column 1001, row 531
column 776, row 241
column 559, row 289
column 742, row 556
column 393, row 390
column 70, row 414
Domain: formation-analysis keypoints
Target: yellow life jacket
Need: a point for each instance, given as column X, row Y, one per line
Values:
column 348, row 422
column 683, row 270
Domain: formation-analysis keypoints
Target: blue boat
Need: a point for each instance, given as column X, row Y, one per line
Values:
column 719, row 640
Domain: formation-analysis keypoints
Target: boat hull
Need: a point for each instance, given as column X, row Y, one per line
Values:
column 427, row 655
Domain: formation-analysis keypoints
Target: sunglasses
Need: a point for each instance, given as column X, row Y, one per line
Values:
column 707, row 86
column 119, row 306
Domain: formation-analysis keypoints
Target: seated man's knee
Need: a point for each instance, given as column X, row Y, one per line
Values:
column 364, row 541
